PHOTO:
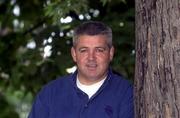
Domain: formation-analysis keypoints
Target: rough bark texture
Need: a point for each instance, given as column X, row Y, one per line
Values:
column 157, row 75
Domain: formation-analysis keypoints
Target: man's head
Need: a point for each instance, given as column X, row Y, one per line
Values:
column 92, row 51
column 93, row 28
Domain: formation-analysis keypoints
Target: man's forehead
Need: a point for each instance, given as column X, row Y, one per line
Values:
column 91, row 44
column 86, row 35
column 98, row 39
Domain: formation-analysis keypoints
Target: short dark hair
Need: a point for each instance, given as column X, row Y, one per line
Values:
column 92, row 28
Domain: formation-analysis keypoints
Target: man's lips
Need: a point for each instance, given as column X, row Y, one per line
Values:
column 91, row 65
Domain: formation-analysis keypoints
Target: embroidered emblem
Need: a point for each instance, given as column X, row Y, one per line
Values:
column 108, row 109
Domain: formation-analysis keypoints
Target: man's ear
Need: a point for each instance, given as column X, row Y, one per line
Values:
column 111, row 53
column 73, row 54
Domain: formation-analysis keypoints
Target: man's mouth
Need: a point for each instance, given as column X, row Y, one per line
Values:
column 91, row 65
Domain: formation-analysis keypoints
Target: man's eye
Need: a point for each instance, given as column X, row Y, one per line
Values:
column 100, row 49
column 82, row 50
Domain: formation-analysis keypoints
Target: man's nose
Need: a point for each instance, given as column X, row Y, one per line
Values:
column 91, row 55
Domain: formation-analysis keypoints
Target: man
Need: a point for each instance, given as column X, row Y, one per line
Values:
column 93, row 91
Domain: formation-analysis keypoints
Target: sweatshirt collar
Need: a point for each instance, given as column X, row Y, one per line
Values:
column 74, row 77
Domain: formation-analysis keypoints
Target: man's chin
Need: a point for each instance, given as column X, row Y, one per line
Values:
column 92, row 69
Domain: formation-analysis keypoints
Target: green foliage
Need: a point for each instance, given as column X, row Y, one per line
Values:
column 61, row 8
column 7, row 111
column 24, row 68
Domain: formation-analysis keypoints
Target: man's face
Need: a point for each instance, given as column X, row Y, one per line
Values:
column 92, row 56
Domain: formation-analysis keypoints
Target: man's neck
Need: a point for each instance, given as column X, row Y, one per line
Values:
column 90, row 81
column 90, row 90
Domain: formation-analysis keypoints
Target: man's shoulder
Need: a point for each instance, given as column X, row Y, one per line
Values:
column 120, row 79
column 59, row 83
column 60, row 79
column 122, row 86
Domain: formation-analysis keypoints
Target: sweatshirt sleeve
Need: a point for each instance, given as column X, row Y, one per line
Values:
column 127, row 109
column 40, row 107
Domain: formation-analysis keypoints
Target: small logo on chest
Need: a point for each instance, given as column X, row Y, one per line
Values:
column 109, row 111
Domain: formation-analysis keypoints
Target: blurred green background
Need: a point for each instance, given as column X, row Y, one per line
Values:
column 35, row 41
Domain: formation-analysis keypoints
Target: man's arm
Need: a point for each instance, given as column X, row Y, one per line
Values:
column 39, row 108
column 127, row 105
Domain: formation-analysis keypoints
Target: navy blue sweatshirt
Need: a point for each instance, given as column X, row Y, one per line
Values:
column 62, row 98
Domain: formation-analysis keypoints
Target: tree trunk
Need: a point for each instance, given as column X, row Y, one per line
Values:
column 157, row 71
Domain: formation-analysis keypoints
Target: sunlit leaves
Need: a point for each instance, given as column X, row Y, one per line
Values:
column 60, row 9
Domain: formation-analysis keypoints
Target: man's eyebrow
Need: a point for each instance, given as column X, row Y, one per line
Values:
column 102, row 47
column 82, row 47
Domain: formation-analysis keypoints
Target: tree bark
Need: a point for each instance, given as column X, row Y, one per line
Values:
column 157, row 71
